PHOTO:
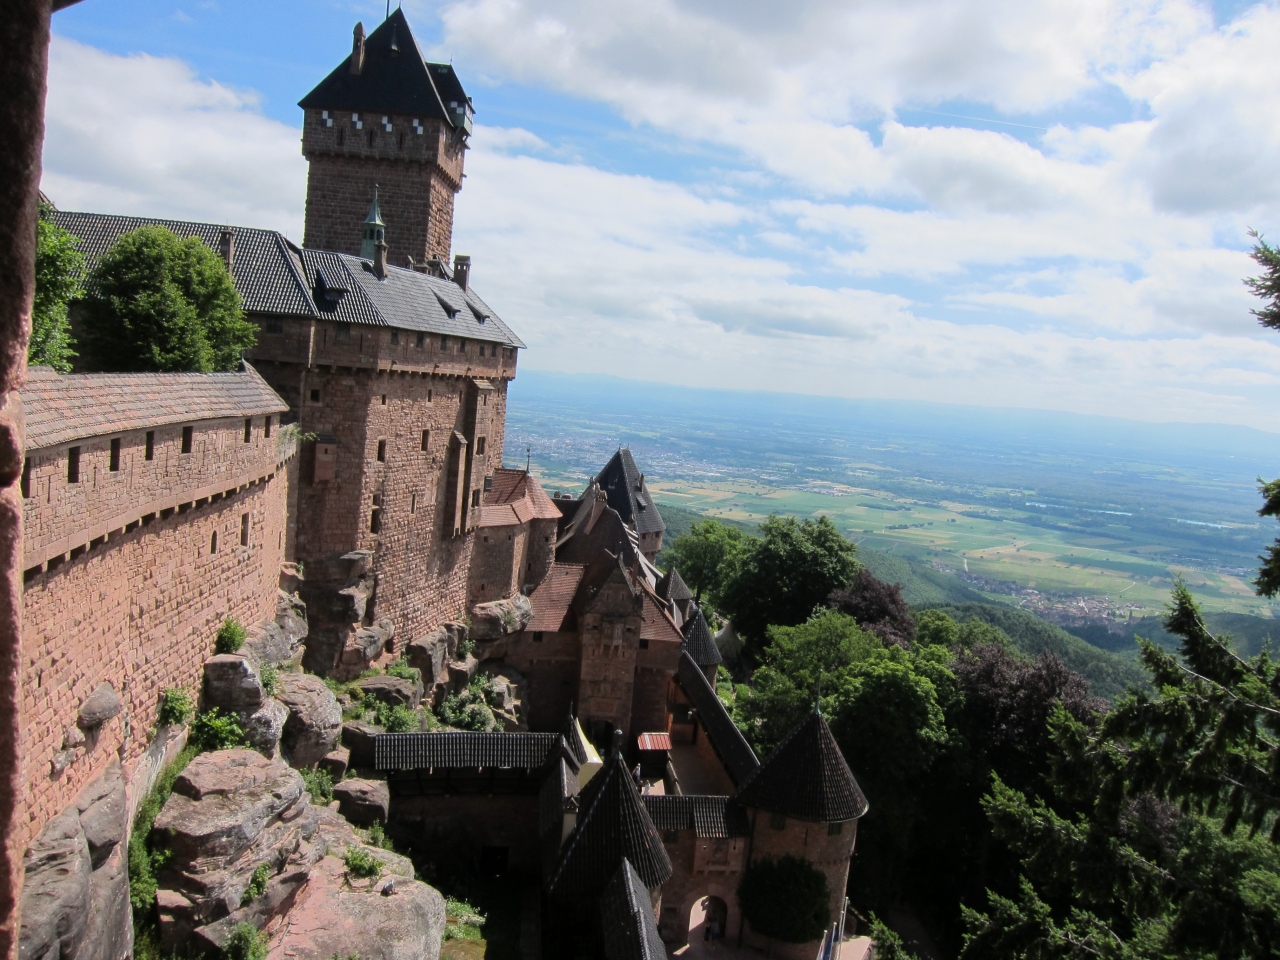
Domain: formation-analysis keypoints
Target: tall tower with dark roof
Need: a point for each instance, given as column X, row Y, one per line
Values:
column 387, row 120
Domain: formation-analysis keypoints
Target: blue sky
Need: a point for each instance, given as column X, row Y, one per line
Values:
column 1028, row 203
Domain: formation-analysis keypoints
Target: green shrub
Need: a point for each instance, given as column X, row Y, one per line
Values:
column 465, row 646
column 246, row 942
column 397, row 719
column 231, row 636
column 257, row 883
column 786, row 899
column 467, row 710
column 320, row 785
column 361, row 863
column 403, row 671
column 143, row 861
column 269, row 676
column 376, row 836
column 176, row 706
column 213, row 731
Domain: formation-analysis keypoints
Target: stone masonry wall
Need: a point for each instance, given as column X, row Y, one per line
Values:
column 140, row 613
column 700, row 868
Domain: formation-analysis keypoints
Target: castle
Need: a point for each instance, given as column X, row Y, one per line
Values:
column 354, row 467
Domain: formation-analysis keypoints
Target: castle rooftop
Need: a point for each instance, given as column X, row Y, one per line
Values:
column 624, row 486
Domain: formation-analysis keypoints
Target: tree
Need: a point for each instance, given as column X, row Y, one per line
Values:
column 704, row 556
column 782, row 577
column 878, row 607
column 1266, row 286
column 160, row 303
column 59, row 280
column 787, row 899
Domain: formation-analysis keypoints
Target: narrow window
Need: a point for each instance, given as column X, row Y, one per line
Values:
column 480, row 446
column 778, row 821
column 422, row 340
column 315, row 396
column 382, row 451
column 833, row 829
column 266, row 426
column 275, row 326
column 73, row 465
column 343, row 333
column 395, row 337
column 340, row 136
column 537, row 636
column 371, row 136
column 375, row 520
column 150, row 453
column 213, row 542
column 115, row 455
column 413, row 503
column 188, row 433
column 488, row 484
column 244, row 529
column 426, row 440
column 428, row 396
column 384, row 399
column 248, row 430
column 26, row 478
column 462, row 346
column 475, row 498
column 444, row 343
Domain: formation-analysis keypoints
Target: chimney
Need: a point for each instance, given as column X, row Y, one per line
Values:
column 227, row 246
column 461, row 270
column 357, row 49
column 380, row 260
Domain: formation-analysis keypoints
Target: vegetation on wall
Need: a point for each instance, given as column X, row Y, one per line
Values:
column 787, row 899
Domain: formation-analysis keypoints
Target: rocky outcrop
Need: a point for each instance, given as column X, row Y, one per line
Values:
column 505, row 691
column 495, row 619
column 391, row 918
column 357, row 737
column 101, row 706
column 75, row 897
column 231, row 812
column 432, row 653
column 335, row 762
column 264, row 726
column 337, row 594
column 232, row 684
column 363, row 802
column 461, row 673
column 314, row 722
column 391, row 690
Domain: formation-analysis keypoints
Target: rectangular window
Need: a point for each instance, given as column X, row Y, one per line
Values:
column 115, row 455
column 488, row 484
column 444, row 343
column 384, row 399
column 833, row 829
column 375, row 521
column 188, row 434
column 343, row 333
column 395, row 337
column 537, row 636
column 422, row 340
column 315, row 396
column 475, row 498
column 248, row 430
column 426, row 440
column 644, row 644
column 428, row 396
column 462, row 346
column 382, row 451
column 26, row 478
column 275, row 326
column 413, row 503
column 150, row 453
column 244, row 529
column 73, row 465
column 266, row 426
column 778, row 821
column 213, row 542
column 480, row 446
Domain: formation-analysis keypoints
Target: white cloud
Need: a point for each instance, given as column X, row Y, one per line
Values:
column 143, row 135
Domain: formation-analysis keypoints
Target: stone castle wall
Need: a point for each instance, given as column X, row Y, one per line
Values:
column 138, row 612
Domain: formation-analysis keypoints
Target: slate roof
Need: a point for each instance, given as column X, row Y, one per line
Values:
column 463, row 751
column 627, row 927
column 657, row 623
column 62, row 407
column 728, row 740
column 699, row 642
column 553, row 598
column 515, row 498
column 394, row 78
column 624, row 485
column 612, row 826
column 276, row 278
column 806, row 778
column 708, row 817
column 672, row 587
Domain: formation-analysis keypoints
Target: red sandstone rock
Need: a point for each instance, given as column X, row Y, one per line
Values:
column 357, row 737
column 315, row 719
column 363, row 802
column 335, row 762
column 495, row 619
column 231, row 683
column 392, row 690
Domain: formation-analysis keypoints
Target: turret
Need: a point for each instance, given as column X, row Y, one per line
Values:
column 374, row 230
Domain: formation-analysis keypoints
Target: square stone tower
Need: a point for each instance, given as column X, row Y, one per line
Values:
column 387, row 120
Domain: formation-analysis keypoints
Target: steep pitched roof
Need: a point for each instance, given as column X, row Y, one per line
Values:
column 627, row 927
column 612, row 826
column 515, row 498
column 624, row 485
column 711, row 817
column 699, row 643
column 394, row 78
column 672, row 587
column 461, row 750
column 729, row 743
column 552, row 600
column 62, row 407
column 807, row 778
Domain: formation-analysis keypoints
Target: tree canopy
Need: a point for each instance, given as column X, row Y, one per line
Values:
column 161, row 303
column 704, row 557
column 59, row 280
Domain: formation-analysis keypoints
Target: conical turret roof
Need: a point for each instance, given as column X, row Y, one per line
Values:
column 699, row 643
column 627, row 927
column 613, row 826
column 806, row 778
column 673, row 587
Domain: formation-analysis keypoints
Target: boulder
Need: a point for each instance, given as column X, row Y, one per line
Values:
column 338, row 834
column 55, row 901
column 461, row 673
column 104, row 813
column 232, row 811
column 335, row 762
column 492, row 620
column 357, row 737
column 109, row 933
column 363, row 802
column 264, row 726
column 314, row 724
column 291, row 616
column 336, row 593
column 341, row 919
column 365, row 645
column 430, row 652
column 267, row 643
column 391, row 690
column 101, row 706
column 231, row 684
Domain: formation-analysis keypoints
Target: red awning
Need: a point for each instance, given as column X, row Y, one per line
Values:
column 655, row 741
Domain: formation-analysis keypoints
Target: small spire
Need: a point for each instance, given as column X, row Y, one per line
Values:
column 374, row 230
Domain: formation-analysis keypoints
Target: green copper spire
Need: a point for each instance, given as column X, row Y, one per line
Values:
column 375, row 231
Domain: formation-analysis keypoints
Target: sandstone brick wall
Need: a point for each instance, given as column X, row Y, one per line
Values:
column 552, row 666
column 139, row 612
column 417, row 169
column 701, row 867
column 496, row 563
column 60, row 516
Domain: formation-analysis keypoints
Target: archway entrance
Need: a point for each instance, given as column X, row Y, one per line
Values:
column 708, row 918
